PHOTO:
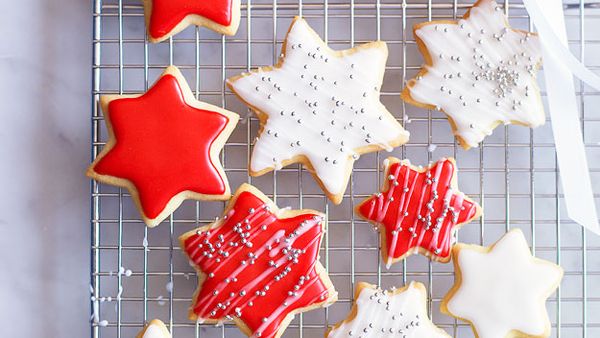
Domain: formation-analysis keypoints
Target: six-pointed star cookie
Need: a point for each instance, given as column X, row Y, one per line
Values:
column 400, row 313
column 165, row 18
column 418, row 210
column 154, row 329
column 163, row 147
column 319, row 107
column 258, row 265
column 478, row 71
column 502, row 290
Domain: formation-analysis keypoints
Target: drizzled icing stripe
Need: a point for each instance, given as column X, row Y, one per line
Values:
column 258, row 268
column 321, row 106
column 418, row 210
column 389, row 314
column 480, row 72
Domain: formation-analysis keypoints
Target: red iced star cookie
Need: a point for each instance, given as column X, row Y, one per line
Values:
column 418, row 210
column 165, row 18
column 258, row 265
column 163, row 147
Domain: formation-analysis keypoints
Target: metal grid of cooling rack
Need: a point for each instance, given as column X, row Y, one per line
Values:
column 138, row 274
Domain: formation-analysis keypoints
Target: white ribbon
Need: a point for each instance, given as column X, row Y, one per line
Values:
column 559, row 67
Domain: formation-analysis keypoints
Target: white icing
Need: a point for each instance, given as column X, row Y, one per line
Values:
column 155, row 331
column 504, row 289
column 382, row 314
column 482, row 72
column 319, row 105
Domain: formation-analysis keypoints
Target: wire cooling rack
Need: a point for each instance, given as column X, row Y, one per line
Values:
column 138, row 274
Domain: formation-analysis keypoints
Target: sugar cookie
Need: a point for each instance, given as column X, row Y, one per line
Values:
column 418, row 210
column 154, row 329
column 163, row 147
column 501, row 290
column 399, row 313
column 165, row 18
column 319, row 107
column 478, row 71
column 258, row 266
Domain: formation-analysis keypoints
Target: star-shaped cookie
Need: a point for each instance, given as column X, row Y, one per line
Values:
column 258, row 265
column 319, row 107
column 478, row 71
column 501, row 290
column 154, row 329
column 163, row 147
column 418, row 210
column 165, row 18
column 399, row 313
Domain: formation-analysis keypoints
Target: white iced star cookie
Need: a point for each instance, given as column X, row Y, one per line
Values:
column 400, row 313
column 478, row 71
column 319, row 107
column 154, row 329
column 501, row 290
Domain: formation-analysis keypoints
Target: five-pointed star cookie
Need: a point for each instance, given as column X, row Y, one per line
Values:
column 501, row 290
column 418, row 210
column 258, row 265
column 154, row 329
column 478, row 71
column 319, row 107
column 165, row 18
column 400, row 313
column 163, row 147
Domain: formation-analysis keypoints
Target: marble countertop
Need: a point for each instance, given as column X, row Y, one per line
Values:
column 45, row 83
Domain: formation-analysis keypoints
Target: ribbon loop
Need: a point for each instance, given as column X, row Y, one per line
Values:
column 559, row 67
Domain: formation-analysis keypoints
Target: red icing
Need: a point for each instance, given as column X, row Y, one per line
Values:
column 413, row 193
column 166, row 14
column 163, row 145
column 248, row 266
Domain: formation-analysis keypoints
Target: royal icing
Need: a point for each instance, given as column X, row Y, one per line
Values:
column 166, row 15
column 482, row 73
column 319, row 105
column 418, row 210
column 164, row 146
column 156, row 329
column 502, row 288
column 389, row 314
column 257, row 267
